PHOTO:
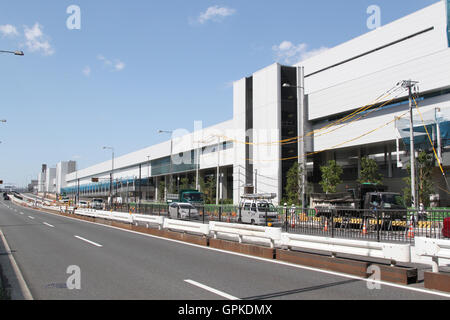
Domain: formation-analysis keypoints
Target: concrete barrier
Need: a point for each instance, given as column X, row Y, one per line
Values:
column 242, row 230
column 186, row 226
column 393, row 252
column 148, row 220
column 434, row 248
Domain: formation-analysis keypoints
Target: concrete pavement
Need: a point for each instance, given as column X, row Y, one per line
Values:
column 119, row 264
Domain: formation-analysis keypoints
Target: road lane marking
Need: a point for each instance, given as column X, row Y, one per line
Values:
column 22, row 284
column 215, row 291
column 296, row 266
column 88, row 241
column 48, row 224
column 31, row 217
column 21, row 213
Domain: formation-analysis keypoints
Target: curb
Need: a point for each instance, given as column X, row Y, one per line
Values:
column 396, row 275
column 17, row 285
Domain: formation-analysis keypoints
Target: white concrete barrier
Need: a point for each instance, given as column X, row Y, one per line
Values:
column 148, row 220
column 86, row 212
column 117, row 216
column 388, row 251
column 122, row 216
column 434, row 248
column 186, row 226
column 243, row 230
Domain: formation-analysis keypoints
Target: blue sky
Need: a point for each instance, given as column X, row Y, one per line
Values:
column 138, row 66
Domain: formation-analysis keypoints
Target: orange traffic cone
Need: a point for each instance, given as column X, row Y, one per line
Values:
column 326, row 226
column 410, row 234
column 364, row 230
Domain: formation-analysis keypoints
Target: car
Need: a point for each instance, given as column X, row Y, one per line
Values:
column 182, row 210
column 6, row 197
column 83, row 204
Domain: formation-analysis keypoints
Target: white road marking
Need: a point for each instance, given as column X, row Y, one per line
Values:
column 31, row 217
column 48, row 224
column 217, row 292
column 21, row 213
column 389, row 284
column 23, row 285
column 89, row 241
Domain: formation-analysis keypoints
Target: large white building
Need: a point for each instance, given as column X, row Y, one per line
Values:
column 63, row 168
column 352, row 98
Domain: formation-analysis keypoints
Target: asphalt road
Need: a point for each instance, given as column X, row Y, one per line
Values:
column 119, row 264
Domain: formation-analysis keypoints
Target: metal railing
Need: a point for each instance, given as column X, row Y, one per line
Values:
column 382, row 225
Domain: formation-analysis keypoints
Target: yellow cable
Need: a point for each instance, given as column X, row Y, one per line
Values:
column 338, row 145
column 354, row 120
column 429, row 138
column 352, row 115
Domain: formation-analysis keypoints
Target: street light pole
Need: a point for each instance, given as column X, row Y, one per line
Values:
column 218, row 170
column 171, row 150
column 111, row 177
column 16, row 53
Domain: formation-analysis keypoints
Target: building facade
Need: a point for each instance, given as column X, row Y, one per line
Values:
column 343, row 104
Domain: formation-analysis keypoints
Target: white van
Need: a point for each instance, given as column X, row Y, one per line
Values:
column 256, row 208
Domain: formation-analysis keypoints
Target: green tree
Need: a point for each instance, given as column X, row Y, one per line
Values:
column 208, row 187
column 424, row 181
column 184, row 183
column 293, row 185
column 369, row 172
column 162, row 186
column 331, row 176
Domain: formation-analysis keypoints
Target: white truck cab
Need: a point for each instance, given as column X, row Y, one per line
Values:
column 258, row 209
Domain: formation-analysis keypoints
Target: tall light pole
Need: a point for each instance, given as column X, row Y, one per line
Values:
column 171, row 150
column 111, row 177
column 148, row 168
column 409, row 84
column 16, row 53
column 218, row 170
column 301, row 131
column 197, row 168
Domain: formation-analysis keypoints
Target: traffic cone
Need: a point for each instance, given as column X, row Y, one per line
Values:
column 410, row 234
column 326, row 226
column 364, row 230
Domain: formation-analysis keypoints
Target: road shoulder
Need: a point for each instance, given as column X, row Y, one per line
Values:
column 14, row 286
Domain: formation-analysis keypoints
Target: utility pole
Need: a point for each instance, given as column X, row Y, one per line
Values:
column 408, row 84
column 438, row 119
column 301, row 131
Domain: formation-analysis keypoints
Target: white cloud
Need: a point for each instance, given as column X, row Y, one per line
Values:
column 115, row 65
column 87, row 71
column 37, row 41
column 289, row 53
column 119, row 65
column 8, row 30
column 215, row 13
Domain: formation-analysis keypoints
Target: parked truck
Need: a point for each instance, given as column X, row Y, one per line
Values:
column 193, row 197
column 366, row 200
